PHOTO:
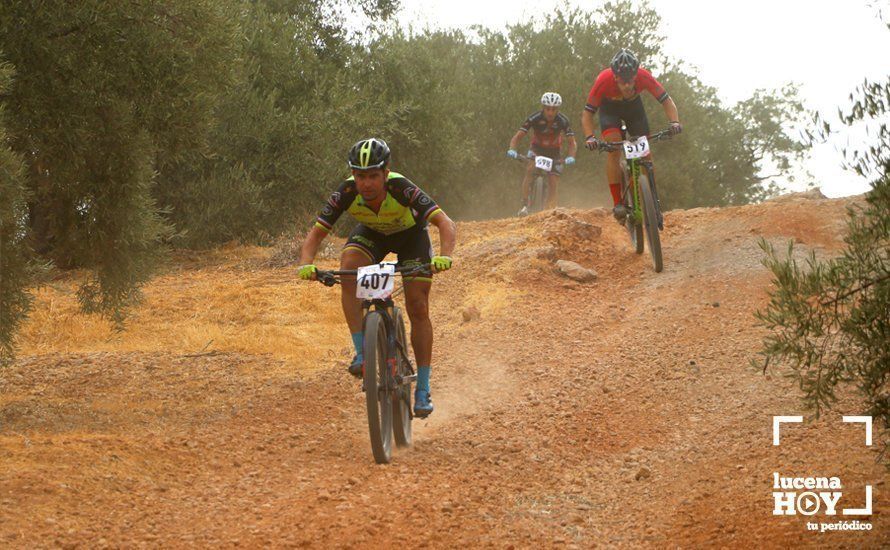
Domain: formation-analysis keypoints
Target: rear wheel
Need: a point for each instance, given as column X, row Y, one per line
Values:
column 380, row 422
column 401, row 399
column 650, row 219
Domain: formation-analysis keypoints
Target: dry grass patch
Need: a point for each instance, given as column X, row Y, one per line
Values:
column 221, row 307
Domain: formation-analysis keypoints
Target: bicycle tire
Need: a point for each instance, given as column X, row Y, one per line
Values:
column 634, row 229
column 401, row 399
column 375, row 381
column 650, row 220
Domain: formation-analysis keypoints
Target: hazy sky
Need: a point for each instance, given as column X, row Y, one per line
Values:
column 827, row 48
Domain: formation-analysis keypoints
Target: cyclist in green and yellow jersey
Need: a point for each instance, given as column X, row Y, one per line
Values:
column 393, row 214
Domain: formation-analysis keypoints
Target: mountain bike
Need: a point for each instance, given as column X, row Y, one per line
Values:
column 540, row 185
column 638, row 193
column 387, row 373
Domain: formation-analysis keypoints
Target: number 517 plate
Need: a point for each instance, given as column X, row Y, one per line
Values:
column 375, row 282
column 638, row 148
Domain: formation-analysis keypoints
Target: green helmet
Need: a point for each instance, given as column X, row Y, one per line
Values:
column 368, row 154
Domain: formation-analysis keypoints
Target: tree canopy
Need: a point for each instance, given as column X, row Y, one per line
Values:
column 132, row 127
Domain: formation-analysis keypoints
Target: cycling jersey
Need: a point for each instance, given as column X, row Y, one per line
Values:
column 605, row 90
column 631, row 113
column 404, row 207
column 547, row 135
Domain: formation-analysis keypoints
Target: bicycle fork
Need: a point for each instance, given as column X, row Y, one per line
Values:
column 633, row 189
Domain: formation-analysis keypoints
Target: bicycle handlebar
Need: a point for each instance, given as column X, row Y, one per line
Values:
column 330, row 278
column 524, row 157
column 617, row 145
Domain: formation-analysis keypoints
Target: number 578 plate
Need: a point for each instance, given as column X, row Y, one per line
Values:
column 375, row 282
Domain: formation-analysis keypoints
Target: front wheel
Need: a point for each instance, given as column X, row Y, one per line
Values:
column 376, row 382
column 650, row 219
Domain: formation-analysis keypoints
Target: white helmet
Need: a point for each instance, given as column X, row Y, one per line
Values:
column 551, row 99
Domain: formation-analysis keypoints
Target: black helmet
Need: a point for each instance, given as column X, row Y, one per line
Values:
column 625, row 64
column 368, row 154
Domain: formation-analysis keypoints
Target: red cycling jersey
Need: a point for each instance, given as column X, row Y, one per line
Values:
column 605, row 89
column 547, row 135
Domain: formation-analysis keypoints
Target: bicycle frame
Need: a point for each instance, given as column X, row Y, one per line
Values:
column 386, row 308
column 633, row 171
column 539, row 173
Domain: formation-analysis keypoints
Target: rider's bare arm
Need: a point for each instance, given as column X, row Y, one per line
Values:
column 587, row 123
column 311, row 244
column 447, row 232
column 514, row 143
column 670, row 109
column 573, row 146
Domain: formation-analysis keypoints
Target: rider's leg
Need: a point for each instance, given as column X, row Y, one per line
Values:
column 417, row 299
column 527, row 182
column 417, row 302
column 354, row 256
column 552, row 191
column 610, row 118
column 613, row 165
column 416, row 249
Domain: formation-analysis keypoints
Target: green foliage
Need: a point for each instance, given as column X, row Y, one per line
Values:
column 194, row 122
column 448, row 103
column 830, row 320
column 106, row 95
column 466, row 93
column 280, row 130
column 15, row 258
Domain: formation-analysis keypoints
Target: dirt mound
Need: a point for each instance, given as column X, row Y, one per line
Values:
column 619, row 412
column 808, row 195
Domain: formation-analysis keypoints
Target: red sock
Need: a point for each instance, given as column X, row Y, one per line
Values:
column 615, row 188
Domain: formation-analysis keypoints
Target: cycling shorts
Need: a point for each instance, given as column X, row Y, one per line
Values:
column 631, row 113
column 412, row 246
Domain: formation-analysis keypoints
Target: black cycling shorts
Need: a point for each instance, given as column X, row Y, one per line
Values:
column 555, row 154
column 412, row 246
column 632, row 113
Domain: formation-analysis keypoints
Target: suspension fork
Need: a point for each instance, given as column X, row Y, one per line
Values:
column 633, row 172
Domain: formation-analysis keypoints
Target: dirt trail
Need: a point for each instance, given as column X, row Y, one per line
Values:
column 620, row 412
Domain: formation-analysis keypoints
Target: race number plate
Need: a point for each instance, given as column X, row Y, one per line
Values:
column 636, row 149
column 375, row 282
column 544, row 163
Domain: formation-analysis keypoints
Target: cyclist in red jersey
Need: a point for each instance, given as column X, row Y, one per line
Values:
column 616, row 96
column 548, row 126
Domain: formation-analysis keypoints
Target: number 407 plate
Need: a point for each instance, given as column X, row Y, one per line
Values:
column 375, row 282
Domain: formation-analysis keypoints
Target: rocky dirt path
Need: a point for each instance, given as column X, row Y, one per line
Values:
column 620, row 412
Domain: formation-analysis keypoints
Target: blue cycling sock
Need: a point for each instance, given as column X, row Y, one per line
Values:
column 423, row 377
column 358, row 340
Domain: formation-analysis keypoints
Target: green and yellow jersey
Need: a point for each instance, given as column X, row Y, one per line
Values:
column 404, row 207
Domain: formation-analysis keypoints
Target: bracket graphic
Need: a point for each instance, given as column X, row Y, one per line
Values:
column 778, row 421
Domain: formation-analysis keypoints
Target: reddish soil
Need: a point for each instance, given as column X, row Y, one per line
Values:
column 621, row 412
